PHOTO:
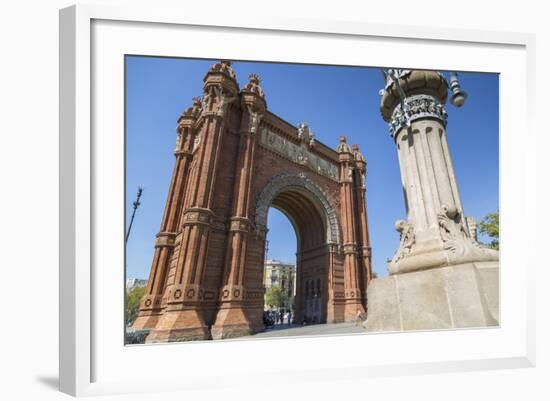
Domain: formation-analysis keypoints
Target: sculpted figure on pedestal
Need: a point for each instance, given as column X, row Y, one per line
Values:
column 457, row 240
column 406, row 241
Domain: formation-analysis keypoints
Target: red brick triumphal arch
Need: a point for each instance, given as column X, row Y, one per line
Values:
column 234, row 160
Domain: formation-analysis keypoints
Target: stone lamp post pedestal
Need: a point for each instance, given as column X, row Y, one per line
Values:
column 440, row 276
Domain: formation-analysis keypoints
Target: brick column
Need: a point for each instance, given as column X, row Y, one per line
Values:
column 331, row 303
column 352, row 291
column 183, row 318
column 151, row 304
column 231, row 320
column 363, row 248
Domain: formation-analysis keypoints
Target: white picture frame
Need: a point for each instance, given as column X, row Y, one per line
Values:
column 90, row 362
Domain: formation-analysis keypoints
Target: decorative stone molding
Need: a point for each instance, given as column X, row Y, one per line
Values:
column 288, row 180
column 366, row 251
column 239, row 224
column 165, row 239
column 350, row 249
column 232, row 293
column 197, row 216
column 352, row 293
column 179, row 152
column 183, row 293
column 151, row 302
column 299, row 154
column 416, row 107
column 334, row 248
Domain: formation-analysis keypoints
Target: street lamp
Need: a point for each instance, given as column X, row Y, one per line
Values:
column 458, row 95
column 435, row 232
column 392, row 76
column 136, row 204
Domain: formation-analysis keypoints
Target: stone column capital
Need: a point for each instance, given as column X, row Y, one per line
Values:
column 416, row 107
column 350, row 248
column 196, row 215
column 241, row 224
column 165, row 239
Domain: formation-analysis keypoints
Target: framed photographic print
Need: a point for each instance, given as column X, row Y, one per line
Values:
column 328, row 193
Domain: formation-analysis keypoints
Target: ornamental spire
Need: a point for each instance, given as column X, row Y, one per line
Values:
column 358, row 156
column 253, row 94
column 343, row 147
column 222, row 67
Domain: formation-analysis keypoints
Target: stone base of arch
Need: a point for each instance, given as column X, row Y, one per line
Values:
column 234, row 321
column 146, row 321
column 352, row 309
column 179, row 325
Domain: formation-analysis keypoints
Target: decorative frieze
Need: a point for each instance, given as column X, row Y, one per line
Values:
column 416, row 107
column 151, row 302
column 299, row 154
column 232, row 293
column 265, row 197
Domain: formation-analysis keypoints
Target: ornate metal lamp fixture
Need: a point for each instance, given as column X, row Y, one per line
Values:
column 412, row 105
column 458, row 95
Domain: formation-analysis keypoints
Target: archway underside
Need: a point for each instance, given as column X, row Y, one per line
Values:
column 311, row 298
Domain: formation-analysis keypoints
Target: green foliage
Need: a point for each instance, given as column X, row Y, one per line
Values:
column 132, row 304
column 490, row 227
column 276, row 297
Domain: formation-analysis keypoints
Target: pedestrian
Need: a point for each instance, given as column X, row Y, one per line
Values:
column 358, row 317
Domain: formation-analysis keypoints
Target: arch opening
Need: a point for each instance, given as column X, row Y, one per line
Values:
column 305, row 206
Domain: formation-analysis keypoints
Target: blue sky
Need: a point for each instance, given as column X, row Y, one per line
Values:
column 333, row 100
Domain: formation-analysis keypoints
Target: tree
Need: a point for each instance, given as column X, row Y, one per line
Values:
column 489, row 226
column 276, row 297
column 132, row 304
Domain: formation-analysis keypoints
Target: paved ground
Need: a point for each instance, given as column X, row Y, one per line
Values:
column 312, row 330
